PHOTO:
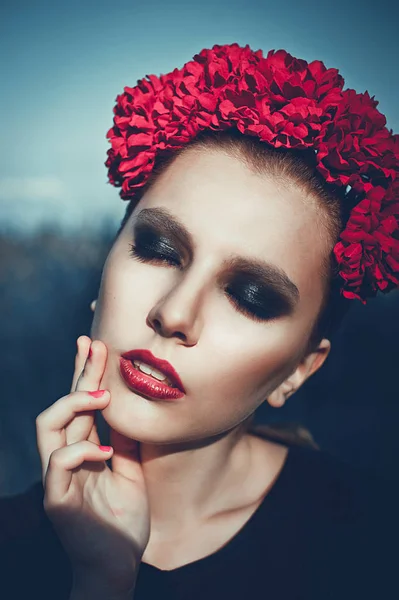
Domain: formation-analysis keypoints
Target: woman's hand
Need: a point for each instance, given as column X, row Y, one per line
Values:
column 101, row 515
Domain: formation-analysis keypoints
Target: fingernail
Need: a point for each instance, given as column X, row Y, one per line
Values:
column 105, row 448
column 97, row 393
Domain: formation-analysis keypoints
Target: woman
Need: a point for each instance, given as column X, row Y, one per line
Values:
column 262, row 199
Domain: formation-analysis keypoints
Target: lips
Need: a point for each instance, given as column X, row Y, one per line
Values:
column 161, row 365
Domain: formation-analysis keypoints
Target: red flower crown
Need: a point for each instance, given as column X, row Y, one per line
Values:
column 285, row 102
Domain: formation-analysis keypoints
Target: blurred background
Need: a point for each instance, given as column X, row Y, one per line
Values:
column 62, row 65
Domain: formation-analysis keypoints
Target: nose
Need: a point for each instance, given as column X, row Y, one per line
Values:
column 177, row 313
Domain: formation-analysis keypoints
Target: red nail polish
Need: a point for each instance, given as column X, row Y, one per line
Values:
column 105, row 448
column 97, row 393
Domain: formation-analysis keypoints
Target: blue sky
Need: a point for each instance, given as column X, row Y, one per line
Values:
column 63, row 64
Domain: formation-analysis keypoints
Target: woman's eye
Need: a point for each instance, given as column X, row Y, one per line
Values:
column 255, row 312
column 148, row 254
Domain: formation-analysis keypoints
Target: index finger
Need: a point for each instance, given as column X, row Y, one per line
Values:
column 83, row 347
column 89, row 369
column 94, row 366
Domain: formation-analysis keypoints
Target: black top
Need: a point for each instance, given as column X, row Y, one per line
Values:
column 324, row 531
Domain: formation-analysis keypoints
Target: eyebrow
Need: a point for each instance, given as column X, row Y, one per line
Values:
column 162, row 220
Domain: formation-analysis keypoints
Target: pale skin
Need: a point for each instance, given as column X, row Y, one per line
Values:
column 186, row 476
column 92, row 507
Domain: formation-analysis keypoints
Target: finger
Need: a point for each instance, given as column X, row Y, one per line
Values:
column 94, row 367
column 83, row 346
column 82, row 427
column 51, row 423
column 62, row 465
column 126, row 457
column 95, row 357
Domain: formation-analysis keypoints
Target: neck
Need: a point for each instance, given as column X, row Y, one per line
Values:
column 188, row 483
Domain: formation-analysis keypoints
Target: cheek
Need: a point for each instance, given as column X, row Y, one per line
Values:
column 114, row 298
column 249, row 361
column 120, row 285
column 127, row 292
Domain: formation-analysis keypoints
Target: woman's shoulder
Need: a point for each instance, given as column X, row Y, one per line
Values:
column 21, row 513
column 325, row 486
column 338, row 522
column 339, row 479
column 32, row 557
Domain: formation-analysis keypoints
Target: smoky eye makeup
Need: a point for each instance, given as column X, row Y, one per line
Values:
column 158, row 223
column 152, row 245
column 262, row 300
column 259, row 296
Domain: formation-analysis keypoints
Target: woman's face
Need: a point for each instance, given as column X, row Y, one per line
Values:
column 233, row 330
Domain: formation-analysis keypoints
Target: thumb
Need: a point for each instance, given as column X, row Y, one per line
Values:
column 125, row 459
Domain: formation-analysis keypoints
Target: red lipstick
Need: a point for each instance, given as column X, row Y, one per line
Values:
column 146, row 384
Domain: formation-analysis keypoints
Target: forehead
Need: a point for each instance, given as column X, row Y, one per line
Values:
column 231, row 209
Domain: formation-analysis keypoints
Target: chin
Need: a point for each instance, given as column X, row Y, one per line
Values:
column 137, row 418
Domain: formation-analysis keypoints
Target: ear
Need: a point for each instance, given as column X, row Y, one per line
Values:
column 93, row 305
column 308, row 365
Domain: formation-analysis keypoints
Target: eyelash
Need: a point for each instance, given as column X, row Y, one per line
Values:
column 150, row 256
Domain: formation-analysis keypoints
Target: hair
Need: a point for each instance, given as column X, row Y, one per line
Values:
column 292, row 167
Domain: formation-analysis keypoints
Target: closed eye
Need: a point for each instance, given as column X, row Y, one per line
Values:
column 147, row 254
column 264, row 311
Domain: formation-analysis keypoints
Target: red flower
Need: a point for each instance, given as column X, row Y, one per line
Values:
column 285, row 102
column 357, row 143
column 368, row 253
